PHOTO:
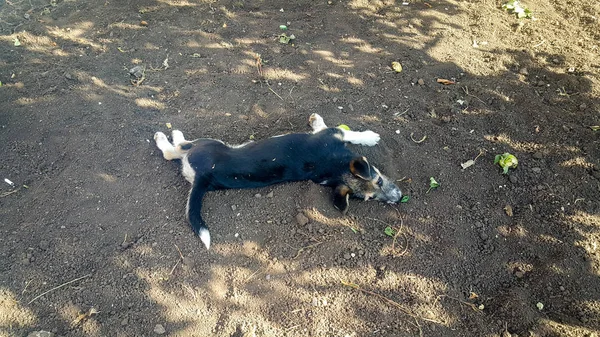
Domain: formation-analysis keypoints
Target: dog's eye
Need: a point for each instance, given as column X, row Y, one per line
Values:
column 380, row 182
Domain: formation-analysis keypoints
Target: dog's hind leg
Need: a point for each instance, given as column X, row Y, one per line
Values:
column 168, row 150
column 367, row 138
column 317, row 123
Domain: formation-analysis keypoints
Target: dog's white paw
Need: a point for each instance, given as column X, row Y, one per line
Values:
column 159, row 136
column 316, row 122
column 369, row 138
column 177, row 137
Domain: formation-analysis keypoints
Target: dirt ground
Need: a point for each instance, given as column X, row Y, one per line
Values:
column 93, row 237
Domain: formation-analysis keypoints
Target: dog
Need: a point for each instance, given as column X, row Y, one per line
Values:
column 321, row 156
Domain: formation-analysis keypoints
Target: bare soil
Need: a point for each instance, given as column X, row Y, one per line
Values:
column 95, row 220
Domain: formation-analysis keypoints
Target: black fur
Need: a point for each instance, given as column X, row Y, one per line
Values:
column 321, row 157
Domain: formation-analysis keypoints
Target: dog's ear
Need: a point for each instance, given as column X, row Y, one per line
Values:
column 340, row 198
column 360, row 167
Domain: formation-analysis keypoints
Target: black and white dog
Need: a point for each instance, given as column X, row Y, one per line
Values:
column 320, row 156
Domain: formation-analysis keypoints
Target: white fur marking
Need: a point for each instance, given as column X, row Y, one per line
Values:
column 317, row 123
column 205, row 237
column 177, row 137
column 169, row 152
column 367, row 138
column 186, row 169
column 238, row 146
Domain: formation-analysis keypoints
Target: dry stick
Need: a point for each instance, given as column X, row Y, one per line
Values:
column 398, row 232
column 405, row 237
column 473, row 306
column 466, row 90
column 393, row 303
column 58, row 287
column 417, row 141
column 5, row 194
column 176, row 264
column 179, row 250
column 273, row 91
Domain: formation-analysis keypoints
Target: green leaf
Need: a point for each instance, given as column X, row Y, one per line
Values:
column 595, row 127
column 506, row 161
column 389, row 231
column 433, row 183
column 404, row 199
column 497, row 158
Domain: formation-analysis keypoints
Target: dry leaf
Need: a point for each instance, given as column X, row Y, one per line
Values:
column 468, row 163
column 473, row 296
column 397, row 67
column 445, row 81
column 509, row 211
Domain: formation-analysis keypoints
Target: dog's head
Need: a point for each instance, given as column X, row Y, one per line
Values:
column 366, row 182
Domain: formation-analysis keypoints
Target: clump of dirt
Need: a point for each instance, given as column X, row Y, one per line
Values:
column 94, row 219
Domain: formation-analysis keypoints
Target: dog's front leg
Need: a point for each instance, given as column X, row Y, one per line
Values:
column 367, row 138
column 194, row 210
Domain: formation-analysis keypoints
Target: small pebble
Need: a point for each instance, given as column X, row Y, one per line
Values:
column 159, row 329
column 44, row 245
column 421, row 81
column 270, row 194
column 233, row 207
column 538, row 155
column 301, row 219
column 483, row 236
column 513, row 179
column 541, row 83
column 125, row 321
column 582, row 107
column 519, row 274
column 258, row 195
column 315, row 302
column 347, row 256
column 536, row 170
column 523, row 71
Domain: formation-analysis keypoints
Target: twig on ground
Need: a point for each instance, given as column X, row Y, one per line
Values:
column 539, row 44
column 175, row 266
column 307, row 247
column 417, row 141
column 466, row 90
column 58, row 287
column 273, row 91
column 26, row 285
column 473, row 306
column 258, row 60
column 395, row 237
column 6, row 194
column 391, row 302
column 179, row 250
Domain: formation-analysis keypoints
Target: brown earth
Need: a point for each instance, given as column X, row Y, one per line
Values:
column 96, row 217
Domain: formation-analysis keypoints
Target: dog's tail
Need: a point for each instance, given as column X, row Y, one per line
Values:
column 194, row 211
